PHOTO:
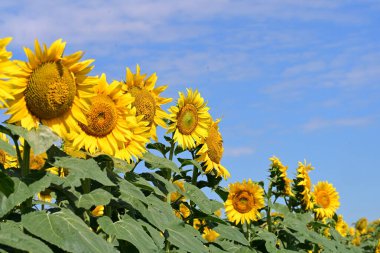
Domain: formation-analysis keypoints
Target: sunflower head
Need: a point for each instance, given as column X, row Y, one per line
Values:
column 244, row 202
column 6, row 159
column 51, row 88
column 341, row 226
column 327, row 200
column 190, row 120
column 361, row 225
column 98, row 211
column 147, row 98
column 7, row 70
column 302, row 186
column 211, row 152
column 45, row 195
column 209, row 234
column 278, row 173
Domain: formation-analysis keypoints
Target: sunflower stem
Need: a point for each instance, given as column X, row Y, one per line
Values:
column 168, row 172
column 24, row 173
column 269, row 218
column 194, row 178
column 19, row 158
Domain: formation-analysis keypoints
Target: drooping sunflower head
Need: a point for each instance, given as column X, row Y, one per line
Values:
column 278, row 173
column 244, row 202
column 7, row 69
column 190, row 120
column 51, row 88
column 327, row 200
column 107, row 126
column 147, row 98
column 302, row 186
column 341, row 226
column 7, row 160
column 211, row 152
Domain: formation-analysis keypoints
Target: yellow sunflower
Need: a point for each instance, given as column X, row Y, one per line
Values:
column 183, row 211
column 361, row 225
column 279, row 171
column 211, row 152
column 98, row 211
column 244, row 202
column 147, row 99
column 6, row 159
column 327, row 200
column 190, row 120
column 7, row 68
column 45, row 195
column 341, row 226
column 107, row 126
column 51, row 88
column 175, row 196
column 209, row 234
column 303, row 185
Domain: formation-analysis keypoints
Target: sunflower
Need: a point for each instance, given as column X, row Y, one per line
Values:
column 183, row 211
column 50, row 88
column 7, row 68
column 361, row 225
column 244, row 201
column 147, row 99
column 279, row 172
column 209, row 234
column 190, row 120
column 176, row 196
column 302, row 185
column 107, row 126
column 98, row 211
column 211, row 152
column 341, row 226
column 327, row 200
column 45, row 195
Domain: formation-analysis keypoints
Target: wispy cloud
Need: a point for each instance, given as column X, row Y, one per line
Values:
column 319, row 123
column 238, row 151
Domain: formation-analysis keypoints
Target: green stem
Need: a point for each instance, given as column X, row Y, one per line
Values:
column 26, row 160
column 19, row 159
column 171, row 153
column 248, row 232
column 194, row 178
column 269, row 218
column 167, row 246
column 86, row 185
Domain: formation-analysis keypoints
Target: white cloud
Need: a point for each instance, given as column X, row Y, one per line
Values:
column 238, row 151
column 319, row 123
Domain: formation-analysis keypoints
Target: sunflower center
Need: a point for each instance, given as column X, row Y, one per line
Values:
column 187, row 119
column 324, row 200
column 2, row 157
column 215, row 145
column 144, row 103
column 101, row 118
column 50, row 91
column 243, row 202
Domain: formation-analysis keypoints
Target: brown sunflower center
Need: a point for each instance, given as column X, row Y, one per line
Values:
column 2, row 157
column 145, row 103
column 50, row 91
column 187, row 119
column 323, row 199
column 243, row 202
column 101, row 118
column 215, row 145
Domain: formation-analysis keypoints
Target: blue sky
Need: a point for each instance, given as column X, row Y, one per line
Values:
column 295, row 79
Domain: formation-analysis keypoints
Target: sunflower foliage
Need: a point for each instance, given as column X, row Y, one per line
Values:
column 82, row 169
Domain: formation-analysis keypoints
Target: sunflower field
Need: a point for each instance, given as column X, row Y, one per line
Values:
column 82, row 169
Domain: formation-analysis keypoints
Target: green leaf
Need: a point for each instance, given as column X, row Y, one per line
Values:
column 40, row 139
column 65, row 230
column 95, row 198
column 222, row 192
column 7, row 148
column 142, row 183
column 199, row 198
column 129, row 230
column 162, row 183
column 81, row 169
column 6, row 184
column 186, row 162
column 155, row 162
column 12, row 236
column 231, row 233
column 185, row 237
column 122, row 166
column 128, row 191
column 22, row 192
column 154, row 233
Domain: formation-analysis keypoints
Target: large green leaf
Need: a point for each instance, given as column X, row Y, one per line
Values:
column 12, row 236
column 231, row 233
column 199, row 198
column 8, row 148
column 81, row 169
column 21, row 193
column 6, row 184
column 129, row 230
column 162, row 183
column 129, row 190
column 94, row 198
column 142, row 183
column 40, row 139
column 155, row 162
column 65, row 230
column 185, row 237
